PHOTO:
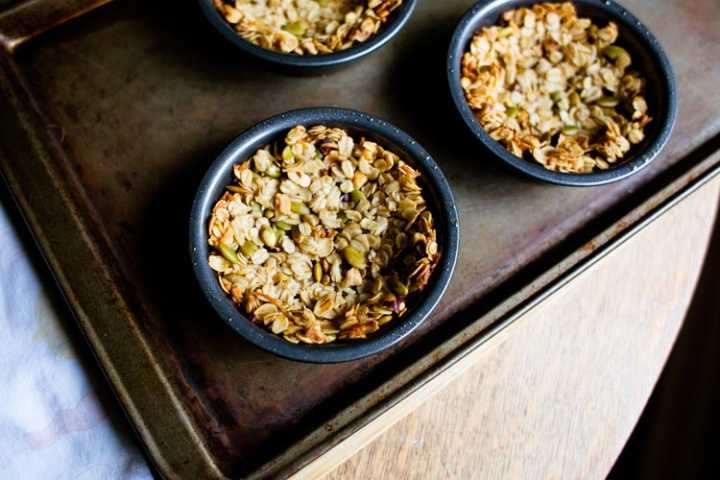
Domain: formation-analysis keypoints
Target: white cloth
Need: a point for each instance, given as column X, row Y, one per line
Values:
column 57, row 417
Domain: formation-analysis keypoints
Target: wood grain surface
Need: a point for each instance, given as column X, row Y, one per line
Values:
column 559, row 395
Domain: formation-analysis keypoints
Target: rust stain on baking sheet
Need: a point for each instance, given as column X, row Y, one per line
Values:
column 589, row 247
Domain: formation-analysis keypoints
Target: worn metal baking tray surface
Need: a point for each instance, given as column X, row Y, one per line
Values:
column 108, row 123
column 22, row 20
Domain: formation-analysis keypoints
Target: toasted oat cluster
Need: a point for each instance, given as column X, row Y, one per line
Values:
column 323, row 237
column 555, row 88
column 307, row 27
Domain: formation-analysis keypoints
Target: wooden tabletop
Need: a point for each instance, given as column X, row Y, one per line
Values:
column 559, row 394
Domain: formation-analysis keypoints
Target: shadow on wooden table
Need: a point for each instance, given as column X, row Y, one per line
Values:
column 675, row 435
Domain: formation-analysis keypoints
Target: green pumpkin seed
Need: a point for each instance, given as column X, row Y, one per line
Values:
column 299, row 208
column 607, row 102
column 354, row 257
column 268, row 236
column 570, row 130
column 283, row 225
column 318, row 272
column 248, row 248
column 229, row 254
column 619, row 55
column 398, row 288
column 273, row 171
column 357, row 195
column 296, row 28
column 613, row 52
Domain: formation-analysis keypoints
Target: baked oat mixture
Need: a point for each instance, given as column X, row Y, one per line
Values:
column 556, row 88
column 307, row 27
column 323, row 236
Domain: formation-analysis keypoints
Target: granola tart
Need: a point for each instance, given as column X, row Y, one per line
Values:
column 306, row 27
column 323, row 236
column 556, row 89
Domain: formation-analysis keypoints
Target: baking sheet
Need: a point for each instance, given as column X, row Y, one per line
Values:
column 123, row 110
